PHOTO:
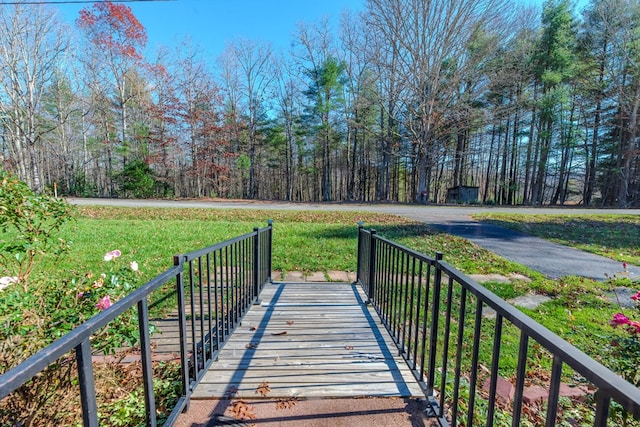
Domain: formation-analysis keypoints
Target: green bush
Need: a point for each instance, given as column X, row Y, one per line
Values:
column 137, row 180
column 36, row 309
column 30, row 225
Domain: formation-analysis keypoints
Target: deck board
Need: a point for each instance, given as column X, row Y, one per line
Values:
column 309, row 340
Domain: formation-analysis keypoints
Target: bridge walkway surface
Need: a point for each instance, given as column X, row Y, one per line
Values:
column 309, row 354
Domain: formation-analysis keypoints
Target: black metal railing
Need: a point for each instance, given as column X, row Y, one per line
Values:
column 222, row 282
column 219, row 283
column 455, row 335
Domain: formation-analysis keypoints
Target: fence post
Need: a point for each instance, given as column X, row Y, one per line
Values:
column 358, row 265
column 435, row 308
column 372, row 266
column 145, row 357
column 256, row 265
column 182, row 324
column 87, row 385
column 270, row 250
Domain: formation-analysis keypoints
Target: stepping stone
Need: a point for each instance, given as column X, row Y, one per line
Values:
column 529, row 301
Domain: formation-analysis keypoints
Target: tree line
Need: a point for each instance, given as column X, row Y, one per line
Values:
column 399, row 102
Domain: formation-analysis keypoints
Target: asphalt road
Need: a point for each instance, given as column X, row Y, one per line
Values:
column 550, row 259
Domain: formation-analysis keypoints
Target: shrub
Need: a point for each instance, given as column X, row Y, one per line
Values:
column 30, row 224
column 36, row 309
column 137, row 180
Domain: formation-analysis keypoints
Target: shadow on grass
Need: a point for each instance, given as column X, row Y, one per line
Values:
column 390, row 232
column 608, row 233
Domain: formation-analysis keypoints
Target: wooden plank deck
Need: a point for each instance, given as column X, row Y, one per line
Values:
column 309, row 340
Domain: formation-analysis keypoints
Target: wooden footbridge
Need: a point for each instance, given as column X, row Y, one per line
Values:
column 309, row 340
column 410, row 326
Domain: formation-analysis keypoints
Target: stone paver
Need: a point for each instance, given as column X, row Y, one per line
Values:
column 366, row 412
column 316, row 276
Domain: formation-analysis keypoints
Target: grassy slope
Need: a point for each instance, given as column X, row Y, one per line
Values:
column 323, row 241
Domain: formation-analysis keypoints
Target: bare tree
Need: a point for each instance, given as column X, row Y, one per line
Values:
column 429, row 36
column 199, row 103
column 287, row 93
column 253, row 77
column 31, row 43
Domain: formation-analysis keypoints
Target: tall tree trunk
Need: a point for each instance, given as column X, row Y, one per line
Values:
column 628, row 151
column 528, row 165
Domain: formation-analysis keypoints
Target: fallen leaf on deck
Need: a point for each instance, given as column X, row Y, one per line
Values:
column 289, row 322
column 263, row 389
column 251, row 345
column 348, row 347
column 277, row 334
column 242, row 411
column 286, row 403
column 253, row 328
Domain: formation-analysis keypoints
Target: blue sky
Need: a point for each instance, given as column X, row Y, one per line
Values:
column 211, row 23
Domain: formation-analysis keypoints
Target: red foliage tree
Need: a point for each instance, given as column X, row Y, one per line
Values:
column 116, row 41
column 113, row 27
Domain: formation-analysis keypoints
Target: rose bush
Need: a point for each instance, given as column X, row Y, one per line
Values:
column 625, row 344
column 37, row 307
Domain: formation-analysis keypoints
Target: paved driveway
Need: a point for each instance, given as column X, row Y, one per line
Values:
column 550, row 259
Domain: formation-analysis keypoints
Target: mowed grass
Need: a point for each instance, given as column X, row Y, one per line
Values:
column 580, row 309
column 305, row 241
column 324, row 241
column 613, row 236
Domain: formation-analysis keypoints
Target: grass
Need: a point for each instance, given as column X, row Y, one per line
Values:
column 303, row 241
column 581, row 308
column 324, row 241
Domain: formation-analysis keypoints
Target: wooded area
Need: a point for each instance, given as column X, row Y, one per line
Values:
column 398, row 103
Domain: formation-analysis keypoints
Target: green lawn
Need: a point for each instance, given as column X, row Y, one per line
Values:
column 323, row 241
column 303, row 241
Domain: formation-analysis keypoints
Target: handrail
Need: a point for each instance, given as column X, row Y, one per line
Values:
column 439, row 318
column 243, row 261
column 78, row 339
column 222, row 281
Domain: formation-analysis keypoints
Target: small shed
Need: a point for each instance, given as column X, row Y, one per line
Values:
column 462, row 194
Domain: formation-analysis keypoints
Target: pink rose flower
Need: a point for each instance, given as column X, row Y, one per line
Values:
column 111, row 255
column 624, row 265
column 619, row 319
column 104, row 303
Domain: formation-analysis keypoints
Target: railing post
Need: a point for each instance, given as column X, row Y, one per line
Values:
column 256, row 265
column 433, row 341
column 87, row 385
column 372, row 266
column 145, row 356
column 270, row 250
column 182, row 324
column 359, row 255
